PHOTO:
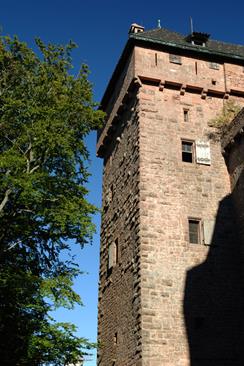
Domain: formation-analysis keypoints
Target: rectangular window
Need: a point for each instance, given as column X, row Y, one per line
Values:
column 112, row 255
column 194, row 231
column 186, row 115
column 214, row 65
column 198, row 42
column 156, row 59
column 187, row 151
column 175, row 59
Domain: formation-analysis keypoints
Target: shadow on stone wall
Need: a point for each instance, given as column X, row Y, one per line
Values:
column 213, row 299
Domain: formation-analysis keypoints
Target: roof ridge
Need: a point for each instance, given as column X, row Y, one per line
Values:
column 185, row 35
column 163, row 28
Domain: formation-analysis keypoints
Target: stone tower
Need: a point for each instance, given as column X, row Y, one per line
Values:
column 170, row 291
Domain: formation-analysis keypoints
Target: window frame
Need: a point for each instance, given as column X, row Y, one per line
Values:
column 113, row 255
column 196, row 42
column 199, row 230
column 192, row 143
column 186, row 114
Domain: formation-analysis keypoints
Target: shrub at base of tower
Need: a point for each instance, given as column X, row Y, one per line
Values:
column 45, row 113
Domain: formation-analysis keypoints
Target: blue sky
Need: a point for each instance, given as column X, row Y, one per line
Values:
column 100, row 28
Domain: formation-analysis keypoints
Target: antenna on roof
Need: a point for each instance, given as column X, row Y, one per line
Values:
column 159, row 24
column 191, row 22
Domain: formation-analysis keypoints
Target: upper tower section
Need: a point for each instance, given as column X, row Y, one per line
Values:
column 167, row 59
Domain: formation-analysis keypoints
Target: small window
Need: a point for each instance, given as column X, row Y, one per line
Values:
column 112, row 255
column 186, row 115
column 214, row 65
column 156, row 59
column 187, row 151
column 194, row 231
column 175, row 59
column 198, row 43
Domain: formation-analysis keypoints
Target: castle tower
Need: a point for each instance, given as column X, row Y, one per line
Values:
column 170, row 291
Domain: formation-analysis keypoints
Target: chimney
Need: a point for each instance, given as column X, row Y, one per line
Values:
column 136, row 28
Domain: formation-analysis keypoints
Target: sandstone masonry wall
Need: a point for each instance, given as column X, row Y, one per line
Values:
column 119, row 292
column 179, row 278
column 168, row 302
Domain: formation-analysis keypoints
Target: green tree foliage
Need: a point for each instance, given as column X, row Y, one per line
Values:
column 45, row 113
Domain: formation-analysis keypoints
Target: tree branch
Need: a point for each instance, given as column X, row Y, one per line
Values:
column 33, row 169
column 5, row 199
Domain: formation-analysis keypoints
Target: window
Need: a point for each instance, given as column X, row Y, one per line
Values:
column 196, row 151
column 187, row 151
column 201, row 231
column 156, row 59
column 214, row 65
column 198, row 43
column 186, row 115
column 112, row 255
column 175, row 59
column 194, row 231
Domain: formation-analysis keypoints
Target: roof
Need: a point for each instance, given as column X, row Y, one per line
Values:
column 166, row 37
